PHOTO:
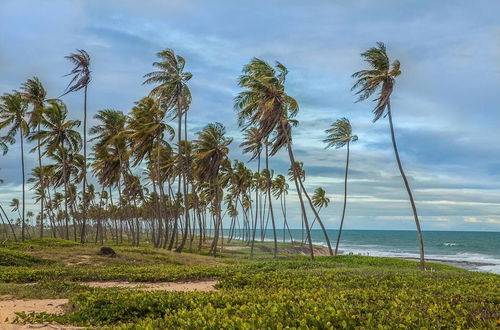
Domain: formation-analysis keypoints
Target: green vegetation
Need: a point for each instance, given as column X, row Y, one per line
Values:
column 16, row 258
column 263, row 292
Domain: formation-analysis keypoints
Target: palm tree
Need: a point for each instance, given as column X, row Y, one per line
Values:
column 173, row 93
column 13, row 110
column 211, row 151
column 59, row 138
column 253, row 144
column 34, row 93
column 379, row 79
column 338, row 136
column 319, row 199
column 280, row 190
column 81, row 79
column 147, row 130
column 265, row 105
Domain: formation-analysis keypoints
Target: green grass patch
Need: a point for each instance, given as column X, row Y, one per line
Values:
column 18, row 258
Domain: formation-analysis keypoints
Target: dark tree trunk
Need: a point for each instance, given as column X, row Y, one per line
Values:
column 84, row 215
column 345, row 200
column 23, row 224
column 407, row 185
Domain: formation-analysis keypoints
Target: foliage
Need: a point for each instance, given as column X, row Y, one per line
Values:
column 293, row 296
column 39, row 243
column 17, row 258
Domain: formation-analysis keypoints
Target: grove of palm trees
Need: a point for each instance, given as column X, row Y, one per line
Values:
column 150, row 184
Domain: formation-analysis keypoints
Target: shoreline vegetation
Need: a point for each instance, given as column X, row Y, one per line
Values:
column 144, row 177
column 65, row 284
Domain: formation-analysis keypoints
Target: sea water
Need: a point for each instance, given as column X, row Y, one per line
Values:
column 468, row 249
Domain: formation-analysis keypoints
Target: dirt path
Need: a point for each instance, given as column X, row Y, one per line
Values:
column 163, row 286
column 9, row 308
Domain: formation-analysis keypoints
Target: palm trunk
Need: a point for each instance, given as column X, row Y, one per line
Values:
column 270, row 203
column 316, row 214
column 84, row 215
column 10, row 224
column 185, row 188
column 254, row 229
column 65, row 192
column 345, row 200
column 407, row 185
column 24, row 195
column 42, row 184
column 295, row 179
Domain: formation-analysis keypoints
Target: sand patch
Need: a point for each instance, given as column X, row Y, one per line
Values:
column 234, row 248
column 9, row 308
column 79, row 260
column 162, row 286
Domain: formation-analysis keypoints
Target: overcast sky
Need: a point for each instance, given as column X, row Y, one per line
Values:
column 446, row 102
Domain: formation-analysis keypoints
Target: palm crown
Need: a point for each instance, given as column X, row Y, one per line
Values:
column 339, row 134
column 379, row 78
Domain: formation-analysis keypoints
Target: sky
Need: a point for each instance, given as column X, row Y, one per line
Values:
column 446, row 104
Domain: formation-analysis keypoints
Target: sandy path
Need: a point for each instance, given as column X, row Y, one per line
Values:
column 234, row 248
column 9, row 308
column 163, row 286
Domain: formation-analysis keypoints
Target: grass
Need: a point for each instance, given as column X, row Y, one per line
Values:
column 294, row 292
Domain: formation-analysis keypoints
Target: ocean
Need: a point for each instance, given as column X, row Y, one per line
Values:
column 479, row 251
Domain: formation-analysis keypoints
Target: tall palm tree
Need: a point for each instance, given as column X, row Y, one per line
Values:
column 173, row 93
column 147, row 130
column 13, row 111
column 59, row 138
column 211, row 156
column 338, row 136
column 80, row 80
column 265, row 105
column 252, row 144
column 379, row 79
column 34, row 93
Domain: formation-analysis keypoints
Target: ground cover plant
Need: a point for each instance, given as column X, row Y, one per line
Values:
column 291, row 292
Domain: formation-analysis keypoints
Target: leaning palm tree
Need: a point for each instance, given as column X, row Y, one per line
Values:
column 265, row 105
column 81, row 79
column 379, row 79
column 59, row 138
column 338, row 136
column 34, row 93
column 319, row 199
column 13, row 111
column 173, row 94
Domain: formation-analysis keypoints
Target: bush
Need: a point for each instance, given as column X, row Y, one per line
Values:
column 300, row 298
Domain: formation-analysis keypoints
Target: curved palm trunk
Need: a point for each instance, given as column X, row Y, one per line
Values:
column 296, row 179
column 23, row 225
column 345, row 200
column 407, row 185
column 84, row 219
column 316, row 214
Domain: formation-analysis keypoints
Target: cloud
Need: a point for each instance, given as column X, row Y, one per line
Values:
column 445, row 102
